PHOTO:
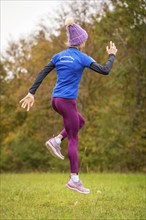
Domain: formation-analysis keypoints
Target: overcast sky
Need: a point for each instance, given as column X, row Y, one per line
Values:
column 20, row 17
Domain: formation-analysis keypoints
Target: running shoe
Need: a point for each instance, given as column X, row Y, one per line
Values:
column 54, row 148
column 77, row 186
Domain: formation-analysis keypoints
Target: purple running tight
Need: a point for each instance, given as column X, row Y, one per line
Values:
column 73, row 121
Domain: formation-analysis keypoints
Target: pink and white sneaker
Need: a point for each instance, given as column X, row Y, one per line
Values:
column 77, row 186
column 54, row 148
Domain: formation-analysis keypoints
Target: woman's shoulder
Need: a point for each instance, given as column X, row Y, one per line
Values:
column 61, row 52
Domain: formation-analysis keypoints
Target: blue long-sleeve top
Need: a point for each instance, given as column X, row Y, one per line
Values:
column 69, row 65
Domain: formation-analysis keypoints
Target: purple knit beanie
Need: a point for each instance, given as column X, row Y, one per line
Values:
column 76, row 34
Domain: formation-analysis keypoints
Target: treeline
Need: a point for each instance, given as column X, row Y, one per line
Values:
column 113, row 138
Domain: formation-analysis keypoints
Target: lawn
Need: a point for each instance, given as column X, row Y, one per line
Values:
column 44, row 196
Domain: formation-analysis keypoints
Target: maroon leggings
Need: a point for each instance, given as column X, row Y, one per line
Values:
column 73, row 121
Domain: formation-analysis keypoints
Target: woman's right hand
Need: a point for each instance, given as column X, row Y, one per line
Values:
column 112, row 49
column 27, row 102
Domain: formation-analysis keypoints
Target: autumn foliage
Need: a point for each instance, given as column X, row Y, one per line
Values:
column 113, row 138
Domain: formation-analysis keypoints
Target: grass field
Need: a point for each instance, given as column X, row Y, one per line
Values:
column 43, row 196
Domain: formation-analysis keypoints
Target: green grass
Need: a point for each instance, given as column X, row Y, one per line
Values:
column 43, row 196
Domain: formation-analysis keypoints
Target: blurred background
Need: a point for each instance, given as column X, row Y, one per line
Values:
column 113, row 138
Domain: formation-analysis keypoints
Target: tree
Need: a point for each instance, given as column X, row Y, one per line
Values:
column 113, row 106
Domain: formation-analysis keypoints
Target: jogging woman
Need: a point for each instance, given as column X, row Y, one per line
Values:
column 69, row 65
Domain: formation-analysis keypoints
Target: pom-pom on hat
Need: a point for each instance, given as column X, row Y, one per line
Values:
column 76, row 34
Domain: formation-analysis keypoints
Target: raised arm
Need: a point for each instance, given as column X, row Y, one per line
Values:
column 28, row 101
column 105, row 69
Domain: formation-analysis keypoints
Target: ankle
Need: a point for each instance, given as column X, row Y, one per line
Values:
column 58, row 141
column 74, row 177
column 60, row 137
column 74, row 174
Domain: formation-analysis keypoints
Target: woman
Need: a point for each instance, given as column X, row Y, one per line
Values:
column 69, row 65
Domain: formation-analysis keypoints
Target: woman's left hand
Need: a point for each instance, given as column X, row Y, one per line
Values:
column 112, row 49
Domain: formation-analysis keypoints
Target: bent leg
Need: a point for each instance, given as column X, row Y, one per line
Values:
column 72, row 122
column 81, row 124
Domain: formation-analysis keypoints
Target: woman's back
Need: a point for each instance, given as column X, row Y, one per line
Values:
column 69, row 64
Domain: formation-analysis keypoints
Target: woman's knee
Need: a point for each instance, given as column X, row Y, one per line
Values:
column 81, row 121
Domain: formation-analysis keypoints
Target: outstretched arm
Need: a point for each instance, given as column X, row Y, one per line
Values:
column 28, row 101
column 105, row 69
column 44, row 72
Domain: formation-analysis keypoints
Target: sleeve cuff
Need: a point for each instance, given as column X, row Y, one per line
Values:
column 111, row 54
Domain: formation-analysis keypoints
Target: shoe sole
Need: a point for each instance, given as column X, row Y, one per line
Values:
column 52, row 150
column 75, row 189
